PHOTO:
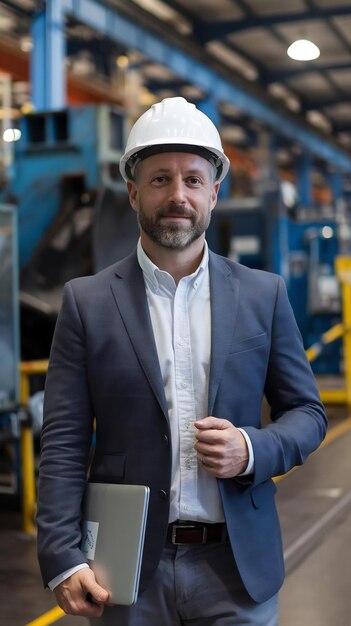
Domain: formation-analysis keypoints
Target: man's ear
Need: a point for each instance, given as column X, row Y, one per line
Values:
column 133, row 193
column 214, row 194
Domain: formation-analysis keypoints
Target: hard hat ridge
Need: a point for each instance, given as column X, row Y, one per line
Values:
column 173, row 125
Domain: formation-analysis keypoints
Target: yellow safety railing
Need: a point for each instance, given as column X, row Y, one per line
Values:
column 342, row 395
column 28, row 369
column 335, row 332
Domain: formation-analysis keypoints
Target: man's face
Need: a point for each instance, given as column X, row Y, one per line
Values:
column 173, row 195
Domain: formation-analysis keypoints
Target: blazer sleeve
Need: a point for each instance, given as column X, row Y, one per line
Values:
column 299, row 421
column 65, row 445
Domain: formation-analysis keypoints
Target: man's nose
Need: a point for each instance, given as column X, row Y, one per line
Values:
column 177, row 191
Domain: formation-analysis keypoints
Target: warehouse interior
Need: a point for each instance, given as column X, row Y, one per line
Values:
column 74, row 76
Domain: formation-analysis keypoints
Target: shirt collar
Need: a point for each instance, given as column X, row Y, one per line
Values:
column 159, row 279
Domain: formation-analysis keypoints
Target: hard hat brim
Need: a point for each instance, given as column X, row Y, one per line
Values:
column 149, row 151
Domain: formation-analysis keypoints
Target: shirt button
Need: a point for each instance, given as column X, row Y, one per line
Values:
column 184, row 384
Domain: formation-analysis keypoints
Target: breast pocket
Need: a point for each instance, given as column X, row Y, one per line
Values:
column 248, row 343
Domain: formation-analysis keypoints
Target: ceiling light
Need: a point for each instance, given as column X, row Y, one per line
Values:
column 11, row 134
column 122, row 61
column 26, row 44
column 318, row 119
column 293, row 104
column 303, row 50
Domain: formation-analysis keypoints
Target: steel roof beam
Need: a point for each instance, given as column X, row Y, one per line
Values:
column 321, row 103
column 17, row 9
column 216, row 30
column 128, row 33
column 280, row 75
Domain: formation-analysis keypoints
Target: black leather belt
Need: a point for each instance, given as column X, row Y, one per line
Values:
column 194, row 532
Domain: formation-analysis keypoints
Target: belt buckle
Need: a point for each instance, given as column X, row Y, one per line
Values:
column 187, row 526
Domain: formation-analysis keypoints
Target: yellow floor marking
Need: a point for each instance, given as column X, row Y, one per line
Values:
column 48, row 618
column 336, row 431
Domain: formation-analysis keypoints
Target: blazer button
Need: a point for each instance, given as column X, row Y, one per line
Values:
column 163, row 494
column 165, row 437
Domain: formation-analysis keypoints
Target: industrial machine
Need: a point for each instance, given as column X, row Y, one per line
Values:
column 10, row 413
column 73, row 211
column 301, row 245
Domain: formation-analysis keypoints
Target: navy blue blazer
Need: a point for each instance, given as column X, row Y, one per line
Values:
column 104, row 365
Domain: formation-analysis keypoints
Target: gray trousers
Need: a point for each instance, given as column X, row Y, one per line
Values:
column 194, row 585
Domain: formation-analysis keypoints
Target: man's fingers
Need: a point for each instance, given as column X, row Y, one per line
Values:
column 212, row 422
column 80, row 594
column 221, row 447
column 95, row 593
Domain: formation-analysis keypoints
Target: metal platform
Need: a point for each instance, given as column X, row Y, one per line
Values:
column 314, row 504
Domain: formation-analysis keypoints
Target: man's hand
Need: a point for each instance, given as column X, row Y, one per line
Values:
column 81, row 595
column 221, row 448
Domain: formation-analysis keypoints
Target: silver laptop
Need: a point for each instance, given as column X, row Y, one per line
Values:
column 114, row 521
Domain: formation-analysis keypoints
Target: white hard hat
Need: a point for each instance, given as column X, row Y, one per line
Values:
column 173, row 125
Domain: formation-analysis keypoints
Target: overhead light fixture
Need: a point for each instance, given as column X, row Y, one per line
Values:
column 26, row 44
column 303, row 50
column 11, row 134
column 122, row 61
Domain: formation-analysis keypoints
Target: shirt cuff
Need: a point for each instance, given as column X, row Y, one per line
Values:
column 251, row 462
column 61, row 577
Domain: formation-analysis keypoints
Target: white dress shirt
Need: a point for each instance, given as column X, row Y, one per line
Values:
column 181, row 322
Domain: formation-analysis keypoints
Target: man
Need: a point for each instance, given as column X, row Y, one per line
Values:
column 172, row 351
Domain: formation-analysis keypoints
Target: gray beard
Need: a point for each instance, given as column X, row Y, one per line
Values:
column 173, row 236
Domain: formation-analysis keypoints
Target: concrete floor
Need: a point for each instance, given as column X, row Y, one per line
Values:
column 314, row 505
column 317, row 592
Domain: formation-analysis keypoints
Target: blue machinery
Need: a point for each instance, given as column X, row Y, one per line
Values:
column 9, row 351
column 262, row 233
column 80, row 146
column 73, row 210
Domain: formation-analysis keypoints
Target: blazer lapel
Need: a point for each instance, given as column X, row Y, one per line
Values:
column 224, row 307
column 128, row 289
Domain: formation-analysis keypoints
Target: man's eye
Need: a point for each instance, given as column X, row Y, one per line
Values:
column 159, row 180
column 194, row 180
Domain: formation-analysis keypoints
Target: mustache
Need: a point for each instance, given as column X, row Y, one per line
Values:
column 177, row 210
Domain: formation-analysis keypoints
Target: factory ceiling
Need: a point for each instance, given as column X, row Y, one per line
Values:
column 245, row 41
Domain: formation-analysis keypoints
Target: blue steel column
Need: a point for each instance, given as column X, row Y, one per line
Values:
column 48, row 58
column 209, row 106
column 304, row 179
